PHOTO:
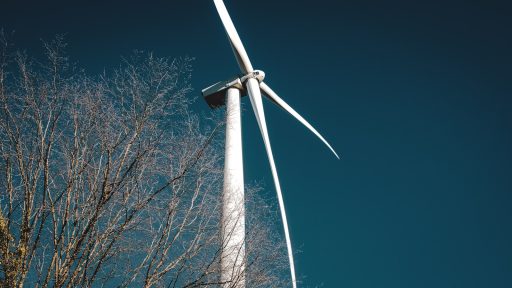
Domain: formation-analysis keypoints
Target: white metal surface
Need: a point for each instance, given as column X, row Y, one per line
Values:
column 234, row 39
column 280, row 102
column 215, row 95
column 221, row 86
column 233, row 208
column 254, row 92
column 258, row 74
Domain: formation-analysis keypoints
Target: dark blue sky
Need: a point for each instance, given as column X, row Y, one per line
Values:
column 416, row 96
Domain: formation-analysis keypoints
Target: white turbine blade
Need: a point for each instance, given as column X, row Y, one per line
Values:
column 280, row 102
column 234, row 39
column 257, row 105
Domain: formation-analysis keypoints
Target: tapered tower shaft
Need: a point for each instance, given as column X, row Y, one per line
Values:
column 233, row 207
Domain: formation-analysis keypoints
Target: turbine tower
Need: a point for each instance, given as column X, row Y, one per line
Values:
column 228, row 93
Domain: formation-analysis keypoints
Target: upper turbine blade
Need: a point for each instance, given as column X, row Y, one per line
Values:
column 257, row 105
column 234, row 39
column 280, row 102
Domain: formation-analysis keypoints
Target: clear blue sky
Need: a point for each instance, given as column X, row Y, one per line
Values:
column 416, row 96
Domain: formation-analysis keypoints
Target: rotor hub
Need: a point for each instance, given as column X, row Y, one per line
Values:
column 256, row 74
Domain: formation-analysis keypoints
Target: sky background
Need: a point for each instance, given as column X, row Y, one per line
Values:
column 415, row 95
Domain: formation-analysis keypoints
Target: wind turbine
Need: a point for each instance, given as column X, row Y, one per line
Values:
column 228, row 93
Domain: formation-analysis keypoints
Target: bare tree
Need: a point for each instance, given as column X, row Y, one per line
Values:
column 113, row 181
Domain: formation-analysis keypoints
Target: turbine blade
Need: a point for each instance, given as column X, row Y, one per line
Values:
column 280, row 102
column 257, row 105
column 238, row 48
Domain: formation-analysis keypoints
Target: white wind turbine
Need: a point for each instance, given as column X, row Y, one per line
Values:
column 233, row 213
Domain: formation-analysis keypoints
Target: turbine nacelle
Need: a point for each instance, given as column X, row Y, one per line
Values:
column 215, row 95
